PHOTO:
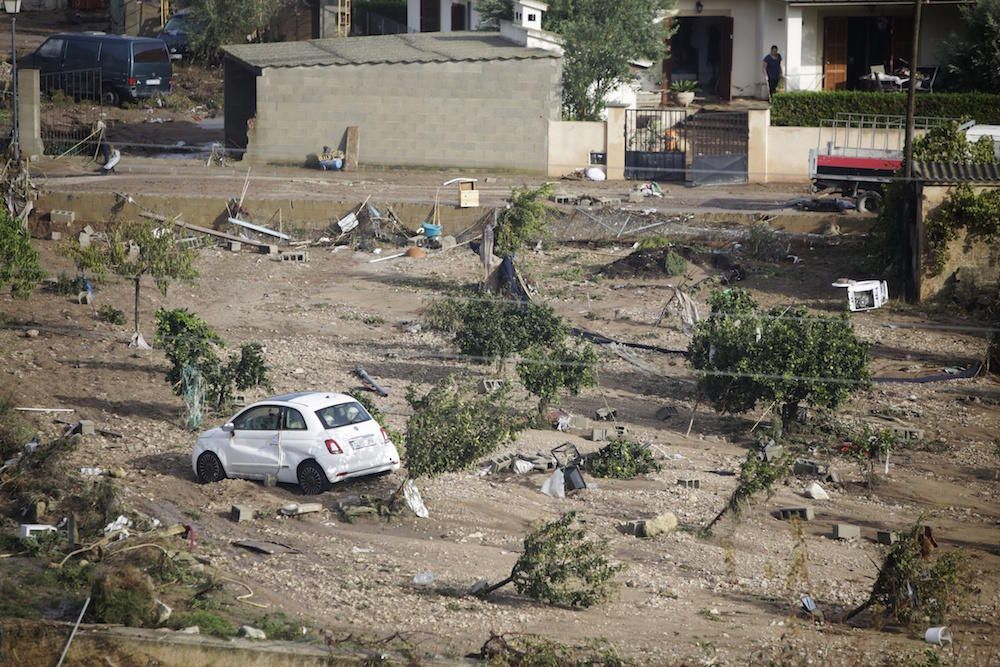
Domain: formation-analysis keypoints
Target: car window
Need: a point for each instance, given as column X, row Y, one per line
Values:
column 114, row 55
column 82, row 53
column 52, row 48
column 150, row 52
column 294, row 421
column 260, row 418
column 176, row 24
column 343, row 414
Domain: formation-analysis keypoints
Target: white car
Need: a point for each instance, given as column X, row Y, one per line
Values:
column 310, row 438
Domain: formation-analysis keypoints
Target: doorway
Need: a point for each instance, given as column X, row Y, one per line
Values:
column 702, row 51
column 852, row 45
column 430, row 15
column 459, row 16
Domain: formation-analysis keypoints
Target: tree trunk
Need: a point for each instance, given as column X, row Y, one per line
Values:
column 496, row 586
column 138, row 278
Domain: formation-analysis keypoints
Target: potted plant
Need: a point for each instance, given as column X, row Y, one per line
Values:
column 684, row 91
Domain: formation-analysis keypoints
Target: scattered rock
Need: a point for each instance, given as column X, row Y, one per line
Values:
column 31, row 333
column 163, row 611
column 664, row 524
column 816, row 492
column 252, row 633
column 192, row 630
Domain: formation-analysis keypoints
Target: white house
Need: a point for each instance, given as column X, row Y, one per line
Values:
column 826, row 44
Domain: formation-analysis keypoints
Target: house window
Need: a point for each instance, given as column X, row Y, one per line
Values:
column 532, row 18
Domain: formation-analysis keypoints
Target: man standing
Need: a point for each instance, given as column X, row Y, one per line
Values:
column 774, row 70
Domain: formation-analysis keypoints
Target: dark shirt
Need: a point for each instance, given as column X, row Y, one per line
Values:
column 773, row 64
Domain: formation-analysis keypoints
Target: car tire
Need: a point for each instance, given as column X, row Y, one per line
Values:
column 209, row 469
column 110, row 97
column 870, row 201
column 312, row 479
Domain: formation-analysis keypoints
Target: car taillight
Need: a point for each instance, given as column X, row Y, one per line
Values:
column 333, row 447
column 132, row 81
column 385, row 435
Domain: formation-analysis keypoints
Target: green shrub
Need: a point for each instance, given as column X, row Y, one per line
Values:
column 209, row 623
column 68, row 286
column 809, row 108
column 15, row 431
column 654, row 243
column 122, row 595
column 622, row 459
column 493, row 329
column 19, row 266
column 673, row 264
column 280, row 627
column 547, row 370
column 110, row 314
column 444, row 315
column 763, row 243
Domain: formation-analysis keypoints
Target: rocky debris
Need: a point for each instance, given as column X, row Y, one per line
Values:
column 163, row 611
column 250, row 632
column 664, row 524
column 816, row 492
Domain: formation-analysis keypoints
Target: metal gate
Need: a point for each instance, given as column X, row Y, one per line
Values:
column 703, row 148
column 71, row 106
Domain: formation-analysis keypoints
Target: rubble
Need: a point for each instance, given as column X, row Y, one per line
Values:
column 664, row 524
column 249, row 632
column 845, row 531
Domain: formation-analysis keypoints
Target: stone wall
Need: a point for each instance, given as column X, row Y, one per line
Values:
column 488, row 114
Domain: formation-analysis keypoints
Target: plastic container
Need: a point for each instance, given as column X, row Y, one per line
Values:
column 938, row 635
column 423, row 579
column 431, row 231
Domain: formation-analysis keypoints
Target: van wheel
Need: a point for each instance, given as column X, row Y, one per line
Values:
column 111, row 98
column 312, row 479
column 210, row 468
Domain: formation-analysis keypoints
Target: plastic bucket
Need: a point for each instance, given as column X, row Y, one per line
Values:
column 939, row 636
column 431, row 231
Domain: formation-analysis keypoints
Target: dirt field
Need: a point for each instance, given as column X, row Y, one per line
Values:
column 728, row 600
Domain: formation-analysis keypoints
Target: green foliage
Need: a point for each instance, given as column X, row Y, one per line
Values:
column 492, row 329
column 15, row 431
column 561, row 566
column 221, row 22
column 757, row 476
column 122, row 595
column 187, row 340
column 763, row 243
column 547, row 370
column 110, row 314
column 789, row 356
column 19, row 266
column 654, row 243
column 916, row 587
column 65, row 286
column 452, row 428
column 976, row 213
column 280, row 627
column 524, row 221
column 444, row 315
column 622, row 459
column 948, row 143
column 866, row 446
column 684, row 86
column 208, row 622
column 974, row 54
column 810, row 108
column 673, row 264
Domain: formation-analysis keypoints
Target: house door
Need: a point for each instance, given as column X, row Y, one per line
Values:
column 459, row 17
column 725, row 85
column 430, row 15
column 834, row 52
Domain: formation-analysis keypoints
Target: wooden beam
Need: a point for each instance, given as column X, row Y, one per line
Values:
column 201, row 230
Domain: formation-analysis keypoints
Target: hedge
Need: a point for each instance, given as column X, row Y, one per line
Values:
column 807, row 109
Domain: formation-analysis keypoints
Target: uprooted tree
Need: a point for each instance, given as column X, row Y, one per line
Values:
column 561, row 565
column 133, row 250
column 523, row 221
column 758, row 475
column 744, row 356
column 915, row 585
column 197, row 372
column 19, row 267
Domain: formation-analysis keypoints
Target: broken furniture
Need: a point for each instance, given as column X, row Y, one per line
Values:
column 864, row 294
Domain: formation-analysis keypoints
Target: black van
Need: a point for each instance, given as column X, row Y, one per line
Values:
column 130, row 67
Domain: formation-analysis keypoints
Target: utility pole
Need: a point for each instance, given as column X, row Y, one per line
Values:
column 911, row 96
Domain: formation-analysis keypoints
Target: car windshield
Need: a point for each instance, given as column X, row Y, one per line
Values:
column 176, row 24
column 343, row 414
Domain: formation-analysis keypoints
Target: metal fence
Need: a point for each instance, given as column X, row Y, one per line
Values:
column 71, row 107
column 656, row 144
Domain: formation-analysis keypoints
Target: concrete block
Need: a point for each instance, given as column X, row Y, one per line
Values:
column 489, row 385
column 83, row 298
column 605, row 414
column 235, row 246
column 295, row 256
column 241, row 513
column 87, row 427
column 34, row 530
column 599, row 435
column 802, row 513
column 268, row 249
column 619, row 430
column 771, row 452
column 887, row 537
column 908, row 433
column 578, row 422
column 84, row 239
column 62, row 217
column 846, row 531
column 55, row 236
column 689, row 482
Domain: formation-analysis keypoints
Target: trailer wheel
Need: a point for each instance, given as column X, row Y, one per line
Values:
column 870, row 201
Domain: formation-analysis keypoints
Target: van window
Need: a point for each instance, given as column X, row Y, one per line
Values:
column 150, row 52
column 52, row 48
column 82, row 54
column 114, row 55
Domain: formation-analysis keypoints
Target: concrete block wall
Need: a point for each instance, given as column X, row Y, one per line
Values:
column 489, row 114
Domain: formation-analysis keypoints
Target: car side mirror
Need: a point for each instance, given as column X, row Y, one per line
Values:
column 228, row 427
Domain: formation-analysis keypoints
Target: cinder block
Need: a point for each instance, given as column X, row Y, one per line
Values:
column 802, row 513
column 235, row 246
column 689, row 483
column 34, row 530
column 241, row 513
column 297, row 256
column 846, row 531
column 268, row 249
column 887, row 537
column 599, row 435
column 62, row 217
column 55, row 236
column 87, row 427
column 619, row 430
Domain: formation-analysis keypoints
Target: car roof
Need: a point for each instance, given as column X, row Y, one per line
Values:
column 310, row 399
column 104, row 37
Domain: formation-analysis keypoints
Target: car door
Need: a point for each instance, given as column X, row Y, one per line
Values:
column 296, row 439
column 254, row 445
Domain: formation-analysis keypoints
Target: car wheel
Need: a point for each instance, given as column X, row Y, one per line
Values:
column 210, row 468
column 312, row 479
column 110, row 97
column 870, row 202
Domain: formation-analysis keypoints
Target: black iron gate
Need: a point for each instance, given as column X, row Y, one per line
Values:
column 71, row 106
column 703, row 148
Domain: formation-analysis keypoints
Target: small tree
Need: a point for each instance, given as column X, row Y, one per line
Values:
column 866, row 447
column 451, row 428
column 561, row 566
column 786, row 356
column 222, row 22
column 19, row 265
column 548, row 370
column 523, row 221
column 492, row 329
column 135, row 249
column 973, row 52
column 757, row 475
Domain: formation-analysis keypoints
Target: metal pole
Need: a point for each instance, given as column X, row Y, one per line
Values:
column 13, row 62
column 73, row 634
column 911, row 97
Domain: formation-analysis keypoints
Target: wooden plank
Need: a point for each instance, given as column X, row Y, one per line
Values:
column 201, row 230
column 259, row 229
column 353, row 148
